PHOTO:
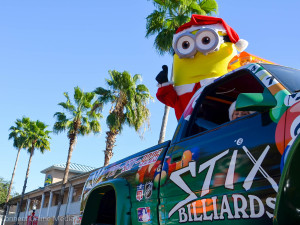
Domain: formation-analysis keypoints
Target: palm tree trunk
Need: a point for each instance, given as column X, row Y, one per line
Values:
column 165, row 119
column 24, row 186
column 164, row 125
column 65, row 179
column 110, row 144
column 10, row 185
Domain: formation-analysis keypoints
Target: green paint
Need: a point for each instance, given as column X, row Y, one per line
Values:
column 259, row 102
column 280, row 109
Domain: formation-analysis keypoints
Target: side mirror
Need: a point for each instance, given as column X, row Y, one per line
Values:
column 255, row 101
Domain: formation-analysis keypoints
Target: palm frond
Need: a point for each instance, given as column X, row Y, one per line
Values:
column 112, row 122
column 209, row 6
column 84, row 127
column 95, row 126
column 136, row 78
column 101, row 91
column 141, row 88
column 59, row 127
column 67, row 106
column 89, row 96
column 78, row 95
column 163, row 41
column 30, row 135
column 86, row 108
column 60, row 116
column 97, row 107
column 155, row 22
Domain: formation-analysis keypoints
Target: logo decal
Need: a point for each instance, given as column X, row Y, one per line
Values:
column 148, row 189
column 139, row 192
column 188, row 209
column 144, row 214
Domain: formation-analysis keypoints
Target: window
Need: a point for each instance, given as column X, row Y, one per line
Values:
column 289, row 77
column 212, row 106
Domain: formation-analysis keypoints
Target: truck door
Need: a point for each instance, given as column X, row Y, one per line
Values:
column 222, row 170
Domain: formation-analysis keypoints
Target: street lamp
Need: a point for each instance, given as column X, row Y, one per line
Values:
column 34, row 207
column 34, row 202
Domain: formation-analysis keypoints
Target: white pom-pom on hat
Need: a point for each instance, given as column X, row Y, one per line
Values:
column 241, row 45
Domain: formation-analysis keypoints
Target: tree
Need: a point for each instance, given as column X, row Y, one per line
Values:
column 19, row 142
column 82, row 120
column 3, row 190
column 128, row 106
column 4, row 186
column 165, row 20
column 35, row 137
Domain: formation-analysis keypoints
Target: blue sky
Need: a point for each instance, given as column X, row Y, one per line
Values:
column 49, row 47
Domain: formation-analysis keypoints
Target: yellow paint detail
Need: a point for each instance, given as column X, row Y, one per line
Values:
column 192, row 70
column 263, row 75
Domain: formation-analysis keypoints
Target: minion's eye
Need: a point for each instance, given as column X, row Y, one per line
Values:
column 207, row 40
column 185, row 46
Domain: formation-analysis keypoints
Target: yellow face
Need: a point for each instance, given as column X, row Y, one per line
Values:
column 192, row 70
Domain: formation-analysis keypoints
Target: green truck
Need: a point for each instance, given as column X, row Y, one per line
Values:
column 214, row 170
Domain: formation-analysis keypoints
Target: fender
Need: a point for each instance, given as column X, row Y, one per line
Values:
column 123, row 204
column 288, row 198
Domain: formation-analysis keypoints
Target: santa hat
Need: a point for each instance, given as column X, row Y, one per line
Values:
column 199, row 20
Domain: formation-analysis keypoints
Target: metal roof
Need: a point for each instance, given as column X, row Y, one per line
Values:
column 74, row 167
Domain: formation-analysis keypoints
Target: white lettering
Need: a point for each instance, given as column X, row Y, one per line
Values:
column 257, row 166
column 271, row 203
column 225, row 208
column 238, row 209
column 175, row 177
column 211, row 164
column 196, row 218
column 205, row 217
column 190, row 213
column 214, row 199
column 213, row 208
column 230, row 173
column 260, row 205
column 182, row 215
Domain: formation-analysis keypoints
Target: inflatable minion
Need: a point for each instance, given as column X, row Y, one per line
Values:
column 203, row 48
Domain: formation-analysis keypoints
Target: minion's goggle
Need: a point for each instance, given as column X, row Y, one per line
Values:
column 206, row 40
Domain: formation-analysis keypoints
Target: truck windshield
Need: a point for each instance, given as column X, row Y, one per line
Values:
column 288, row 77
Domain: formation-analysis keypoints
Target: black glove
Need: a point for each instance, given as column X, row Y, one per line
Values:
column 162, row 77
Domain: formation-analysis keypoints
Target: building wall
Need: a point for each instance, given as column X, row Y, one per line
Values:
column 58, row 175
column 47, row 212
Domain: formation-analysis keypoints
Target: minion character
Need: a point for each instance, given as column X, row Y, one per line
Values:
column 203, row 48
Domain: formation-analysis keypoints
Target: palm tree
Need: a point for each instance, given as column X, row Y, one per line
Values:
column 35, row 137
column 128, row 106
column 164, row 21
column 82, row 120
column 18, row 143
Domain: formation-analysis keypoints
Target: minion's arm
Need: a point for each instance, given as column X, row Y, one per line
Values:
column 166, row 94
column 162, row 76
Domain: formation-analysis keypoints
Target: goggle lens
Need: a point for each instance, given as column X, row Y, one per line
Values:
column 185, row 45
column 206, row 40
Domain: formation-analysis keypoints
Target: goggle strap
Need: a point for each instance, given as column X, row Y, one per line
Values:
column 226, row 38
